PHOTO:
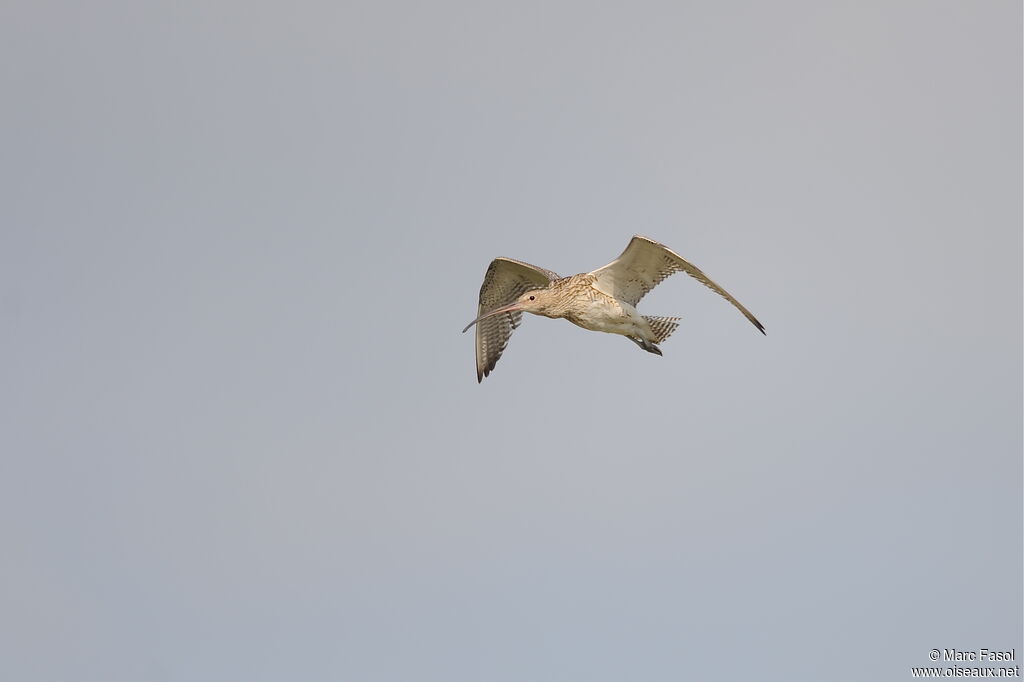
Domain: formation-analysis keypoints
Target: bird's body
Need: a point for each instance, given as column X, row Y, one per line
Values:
column 603, row 300
column 578, row 300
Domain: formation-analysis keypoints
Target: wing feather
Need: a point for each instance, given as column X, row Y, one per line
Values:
column 644, row 264
column 506, row 279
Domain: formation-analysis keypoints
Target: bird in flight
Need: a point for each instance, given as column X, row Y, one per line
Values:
column 603, row 300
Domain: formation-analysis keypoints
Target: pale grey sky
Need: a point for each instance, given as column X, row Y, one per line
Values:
column 242, row 435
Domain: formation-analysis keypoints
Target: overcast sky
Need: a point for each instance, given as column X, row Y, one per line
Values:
column 241, row 434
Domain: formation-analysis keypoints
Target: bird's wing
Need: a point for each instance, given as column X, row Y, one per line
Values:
column 643, row 265
column 505, row 281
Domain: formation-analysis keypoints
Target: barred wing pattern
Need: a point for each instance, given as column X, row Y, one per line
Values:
column 643, row 265
column 505, row 281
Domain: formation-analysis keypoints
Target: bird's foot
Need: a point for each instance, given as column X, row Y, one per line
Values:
column 646, row 345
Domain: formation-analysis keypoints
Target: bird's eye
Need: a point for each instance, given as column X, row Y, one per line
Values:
column 532, row 297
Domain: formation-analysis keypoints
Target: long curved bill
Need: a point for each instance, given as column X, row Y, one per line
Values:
column 506, row 309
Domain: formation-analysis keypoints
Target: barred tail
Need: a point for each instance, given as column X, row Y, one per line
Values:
column 662, row 326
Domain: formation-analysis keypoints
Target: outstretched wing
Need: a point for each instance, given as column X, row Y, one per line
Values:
column 643, row 265
column 505, row 281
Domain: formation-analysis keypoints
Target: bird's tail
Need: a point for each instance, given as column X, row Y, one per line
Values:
column 662, row 326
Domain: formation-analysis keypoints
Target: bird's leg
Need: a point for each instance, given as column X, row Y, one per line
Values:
column 646, row 345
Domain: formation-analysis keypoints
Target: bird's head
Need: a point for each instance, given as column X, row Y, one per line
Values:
column 536, row 301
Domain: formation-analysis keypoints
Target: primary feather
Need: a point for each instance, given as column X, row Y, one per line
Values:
column 504, row 281
column 644, row 264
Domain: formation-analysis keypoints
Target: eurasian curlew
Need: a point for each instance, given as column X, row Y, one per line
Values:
column 603, row 300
